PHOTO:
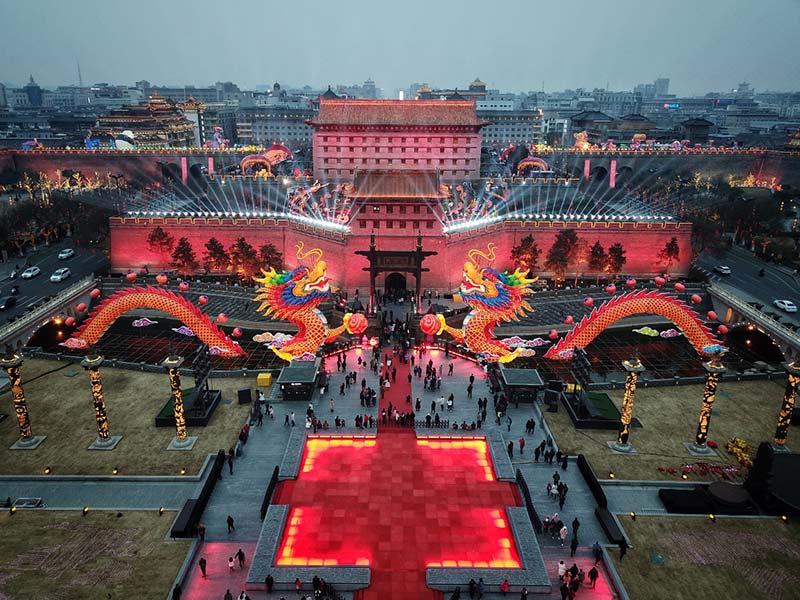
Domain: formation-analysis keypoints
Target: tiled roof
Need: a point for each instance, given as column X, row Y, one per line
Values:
column 396, row 112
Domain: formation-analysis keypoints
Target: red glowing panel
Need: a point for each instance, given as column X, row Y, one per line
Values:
column 398, row 505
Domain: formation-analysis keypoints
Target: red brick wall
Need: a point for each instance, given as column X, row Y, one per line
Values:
column 642, row 243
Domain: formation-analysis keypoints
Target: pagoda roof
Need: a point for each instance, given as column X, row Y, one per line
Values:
column 592, row 115
column 635, row 117
column 393, row 185
column 329, row 94
column 697, row 122
column 397, row 112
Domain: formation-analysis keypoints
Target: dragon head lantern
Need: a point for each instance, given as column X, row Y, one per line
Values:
column 494, row 297
column 485, row 288
column 294, row 296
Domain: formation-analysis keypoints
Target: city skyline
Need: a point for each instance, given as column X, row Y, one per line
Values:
column 532, row 48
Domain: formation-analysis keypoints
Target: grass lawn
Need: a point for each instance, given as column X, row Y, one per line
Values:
column 747, row 409
column 61, row 408
column 64, row 555
column 733, row 558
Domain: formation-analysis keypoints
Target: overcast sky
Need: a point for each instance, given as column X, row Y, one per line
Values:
column 513, row 45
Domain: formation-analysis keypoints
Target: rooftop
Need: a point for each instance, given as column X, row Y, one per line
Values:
column 396, row 112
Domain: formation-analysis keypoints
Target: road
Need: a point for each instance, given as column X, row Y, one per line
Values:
column 776, row 283
column 32, row 291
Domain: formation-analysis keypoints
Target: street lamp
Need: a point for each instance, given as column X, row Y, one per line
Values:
column 633, row 367
column 11, row 364
column 104, row 441
column 181, row 441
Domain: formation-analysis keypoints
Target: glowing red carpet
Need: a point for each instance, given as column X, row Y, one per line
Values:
column 399, row 505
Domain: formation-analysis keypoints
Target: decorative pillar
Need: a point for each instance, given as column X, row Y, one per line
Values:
column 184, row 169
column 181, row 441
column 418, row 275
column 612, row 175
column 211, row 165
column 633, row 367
column 789, row 396
column 586, row 168
column 372, row 273
column 714, row 368
column 104, row 441
column 27, row 441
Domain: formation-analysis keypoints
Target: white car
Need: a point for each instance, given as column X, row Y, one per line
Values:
column 31, row 272
column 786, row 305
column 66, row 253
column 60, row 274
column 723, row 270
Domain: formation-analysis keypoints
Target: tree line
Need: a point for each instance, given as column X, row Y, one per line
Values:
column 240, row 258
column 571, row 253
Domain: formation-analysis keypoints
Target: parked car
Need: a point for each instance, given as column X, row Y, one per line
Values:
column 7, row 302
column 60, row 274
column 722, row 269
column 66, row 253
column 31, row 272
column 786, row 305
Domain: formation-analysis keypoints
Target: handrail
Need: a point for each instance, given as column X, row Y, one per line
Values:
column 40, row 311
column 742, row 306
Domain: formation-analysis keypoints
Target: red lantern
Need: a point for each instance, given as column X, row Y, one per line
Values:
column 696, row 299
column 237, row 332
column 568, row 320
column 429, row 324
column 142, row 271
column 611, row 289
column 358, row 324
column 80, row 307
column 95, row 293
column 131, row 276
column 222, row 318
column 183, row 286
column 588, row 302
column 553, row 334
column 659, row 281
column 630, row 283
column 679, row 287
column 712, row 316
column 203, row 300
column 722, row 330
column 161, row 278
column 69, row 321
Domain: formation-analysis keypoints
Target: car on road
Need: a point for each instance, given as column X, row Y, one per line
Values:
column 60, row 274
column 31, row 272
column 7, row 302
column 66, row 253
column 786, row 305
column 722, row 269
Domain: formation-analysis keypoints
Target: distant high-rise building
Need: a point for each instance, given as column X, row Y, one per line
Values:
column 368, row 90
column 33, row 92
column 661, row 87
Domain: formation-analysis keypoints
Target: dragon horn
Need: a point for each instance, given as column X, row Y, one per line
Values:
column 316, row 253
column 489, row 256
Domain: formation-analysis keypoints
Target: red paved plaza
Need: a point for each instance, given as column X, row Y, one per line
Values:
column 399, row 505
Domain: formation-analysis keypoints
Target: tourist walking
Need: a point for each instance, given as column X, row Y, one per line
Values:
column 562, row 535
column 521, row 445
column 230, row 463
column 593, row 575
column 230, row 564
column 510, row 449
column 201, row 532
column 240, row 558
column 331, row 403
column 202, row 564
column 230, row 524
column 573, row 546
column 176, row 592
column 228, row 595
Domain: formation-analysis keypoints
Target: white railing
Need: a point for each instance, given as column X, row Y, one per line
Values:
column 779, row 329
column 39, row 312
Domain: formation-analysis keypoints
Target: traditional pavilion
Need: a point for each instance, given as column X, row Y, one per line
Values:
column 156, row 124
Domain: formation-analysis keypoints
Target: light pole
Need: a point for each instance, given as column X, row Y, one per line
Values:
column 633, row 367
column 789, row 396
column 104, row 441
column 181, row 441
column 11, row 364
column 714, row 368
